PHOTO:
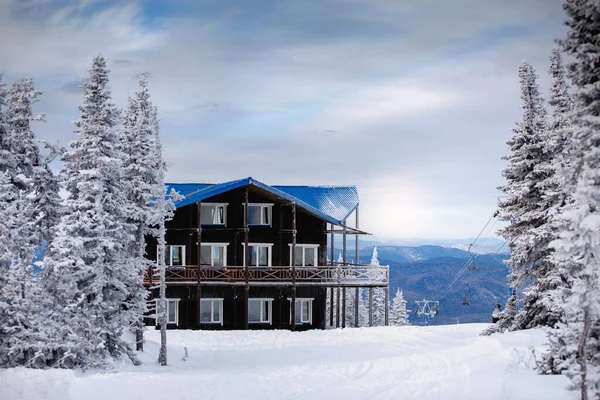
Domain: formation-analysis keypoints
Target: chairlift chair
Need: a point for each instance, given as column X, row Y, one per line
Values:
column 465, row 300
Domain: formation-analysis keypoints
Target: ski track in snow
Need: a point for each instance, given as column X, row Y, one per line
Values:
column 438, row 362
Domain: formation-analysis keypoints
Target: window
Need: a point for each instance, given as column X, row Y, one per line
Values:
column 259, row 254
column 306, row 255
column 174, row 255
column 213, row 214
column 172, row 311
column 259, row 214
column 260, row 311
column 303, row 310
column 213, row 254
column 211, row 311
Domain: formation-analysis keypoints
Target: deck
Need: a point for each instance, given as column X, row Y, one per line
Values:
column 344, row 276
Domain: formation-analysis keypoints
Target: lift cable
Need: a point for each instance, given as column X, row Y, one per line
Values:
column 470, row 257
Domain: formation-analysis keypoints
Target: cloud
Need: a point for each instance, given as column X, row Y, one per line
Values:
column 412, row 101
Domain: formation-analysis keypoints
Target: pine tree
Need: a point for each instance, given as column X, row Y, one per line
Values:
column 398, row 314
column 163, row 209
column 9, row 196
column 87, row 267
column 350, row 305
column 363, row 308
column 378, row 295
column 375, row 258
column 21, row 288
column 378, row 306
column 544, row 298
column 578, row 338
column 524, row 199
column 140, row 175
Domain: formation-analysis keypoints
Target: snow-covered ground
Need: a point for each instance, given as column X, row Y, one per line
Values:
column 438, row 362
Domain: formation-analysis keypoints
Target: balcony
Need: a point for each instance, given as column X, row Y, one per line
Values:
column 330, row 275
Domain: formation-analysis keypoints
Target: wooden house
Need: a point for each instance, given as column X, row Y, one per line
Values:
column 230, row 248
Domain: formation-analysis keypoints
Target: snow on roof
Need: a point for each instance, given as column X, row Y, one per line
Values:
column 332, row 203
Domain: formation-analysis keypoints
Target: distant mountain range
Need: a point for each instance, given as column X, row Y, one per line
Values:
column 423, row 272
column 481, row 246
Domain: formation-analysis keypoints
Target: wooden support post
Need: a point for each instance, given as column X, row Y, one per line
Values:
column 331, row 306
column 356, row 303
column 332, row 250
column 337, row 311
column 357, row 253
column 343, row 307
column 387, row 305
column 293, row 307
column 246, row 270
column 199, row 244
column 344, row 243
column 370, row 306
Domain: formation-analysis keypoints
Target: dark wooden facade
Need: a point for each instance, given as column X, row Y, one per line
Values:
column 182, row 230
column 279, row 283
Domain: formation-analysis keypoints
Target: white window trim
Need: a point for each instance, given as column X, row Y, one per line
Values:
column 170, row 263
column 212, row 300
column 216, row 244
column 304, row 246
column 176, row 301
column 270, row 257
column 310, row 309
column 270, row 316
column 224, row 205
column 269, row 205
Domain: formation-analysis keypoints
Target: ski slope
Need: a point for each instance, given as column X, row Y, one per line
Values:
column 436, row 362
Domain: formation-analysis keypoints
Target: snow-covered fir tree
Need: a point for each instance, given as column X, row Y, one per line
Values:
column 87, row 266
column 378, row 295
column 560, row 289
column 375, row 258
column 578, row 338
column 398, row 314
column 351, row 301
column 544, row 298
column 524, row 204
column 140, row 168
column 163, row 209
column 21, row 317
column 363, row 309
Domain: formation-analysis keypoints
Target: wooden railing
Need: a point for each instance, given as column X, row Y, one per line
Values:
column 343, row 275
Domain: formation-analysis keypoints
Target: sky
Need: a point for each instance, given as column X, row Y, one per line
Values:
column 412, row 101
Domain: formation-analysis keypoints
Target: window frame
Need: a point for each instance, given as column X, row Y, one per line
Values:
column 269, row 213
column 268, row 300
column 269, row 246
column 309, row 301
column 170, row 263
column 212, row 245
column 213, row 300
column 224, row 205
column 169, row 300
column 305, row 246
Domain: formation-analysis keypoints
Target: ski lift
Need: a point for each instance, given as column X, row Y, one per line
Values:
column 465, row 300
column 473, row 268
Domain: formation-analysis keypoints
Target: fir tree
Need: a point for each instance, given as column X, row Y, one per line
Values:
column 87, row 266
column 525, row 203
column 578, row 338
column 398, row 314
column 544, row 298
column 163, row 209
column 21, row 317
column 378, row 295
column 140, row 175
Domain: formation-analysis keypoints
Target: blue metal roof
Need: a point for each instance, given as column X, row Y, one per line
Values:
column 331, row 203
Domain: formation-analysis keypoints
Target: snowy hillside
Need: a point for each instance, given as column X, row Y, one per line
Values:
column 440, row 362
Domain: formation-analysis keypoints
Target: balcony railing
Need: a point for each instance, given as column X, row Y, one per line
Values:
column 342, row 275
